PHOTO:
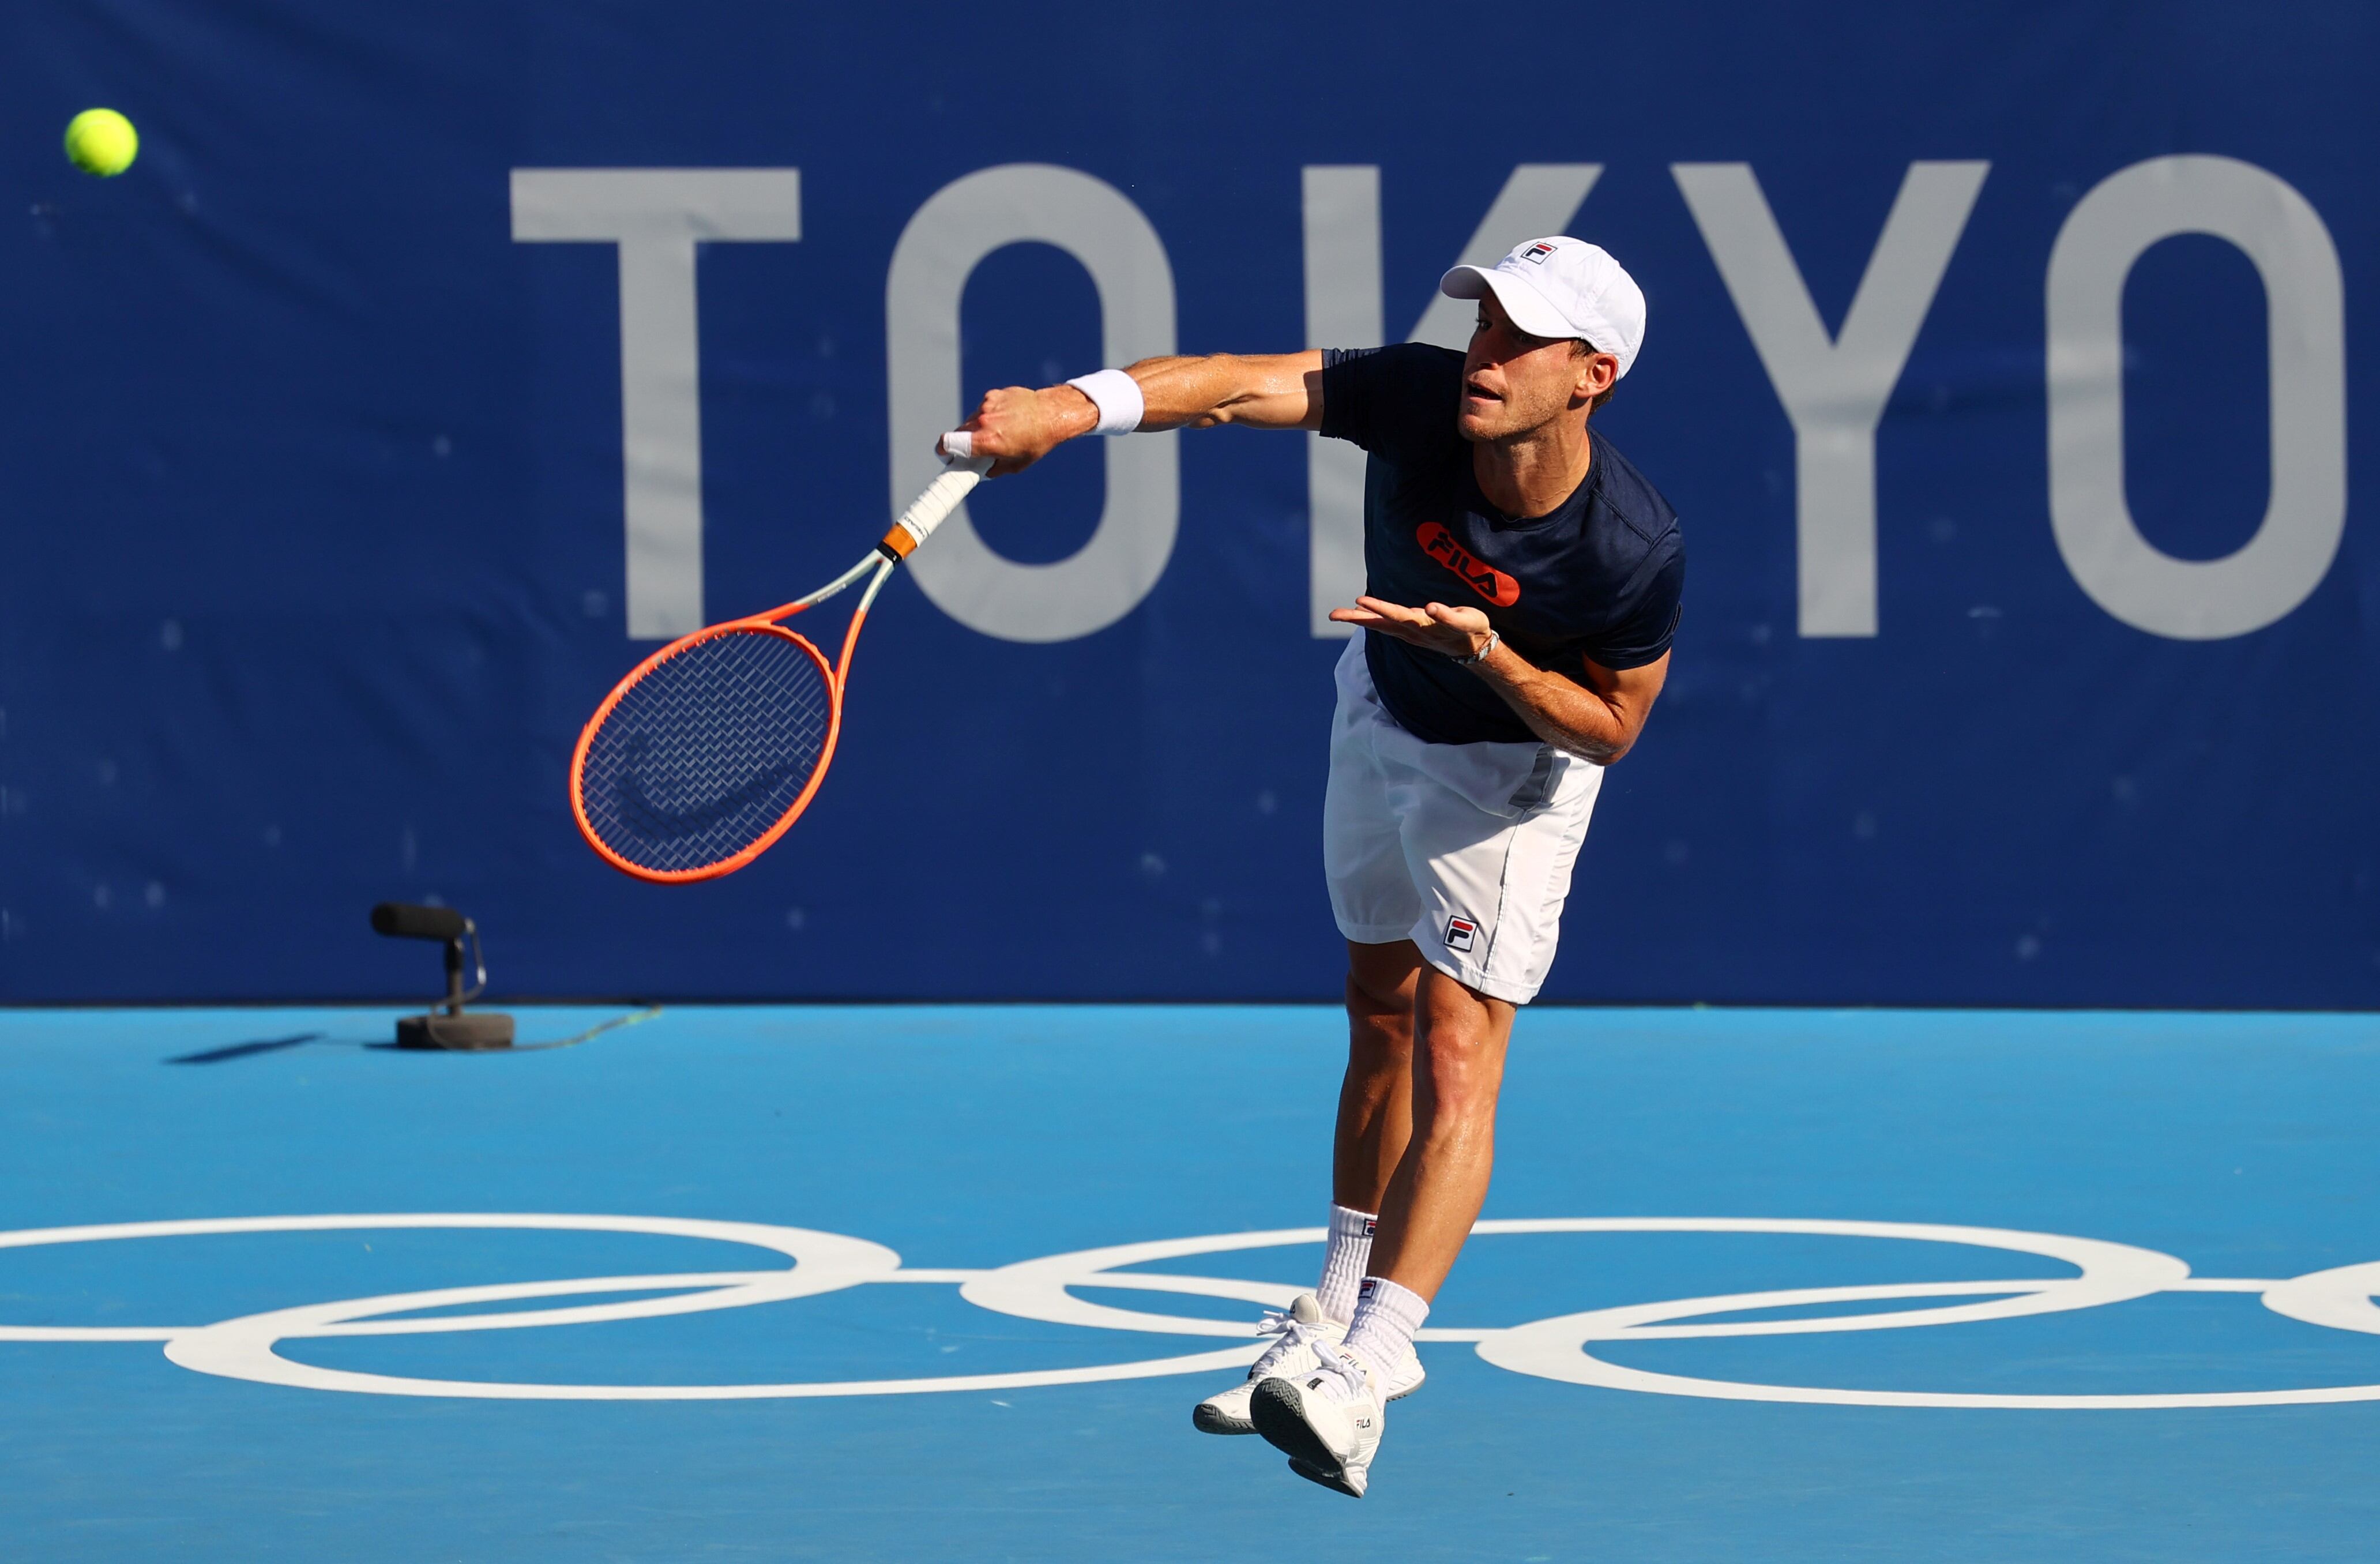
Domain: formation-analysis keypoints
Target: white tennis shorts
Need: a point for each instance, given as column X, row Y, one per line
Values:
column 1466, row 849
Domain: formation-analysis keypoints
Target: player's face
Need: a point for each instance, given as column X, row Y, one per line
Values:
column 1514, row 384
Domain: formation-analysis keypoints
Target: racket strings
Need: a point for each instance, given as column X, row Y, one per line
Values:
column 707, row 752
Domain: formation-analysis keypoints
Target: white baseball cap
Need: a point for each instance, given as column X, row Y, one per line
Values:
column 1561, row 287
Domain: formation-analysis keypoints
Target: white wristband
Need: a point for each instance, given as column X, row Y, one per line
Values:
column 1117, row 396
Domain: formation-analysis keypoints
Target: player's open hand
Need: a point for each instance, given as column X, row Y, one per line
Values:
column 1017, row 426
column 1457, row 632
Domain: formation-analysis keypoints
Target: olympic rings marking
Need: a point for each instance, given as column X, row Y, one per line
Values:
column 1036, row 1289
column 823, row 1262
column 243, row 1349
column 1041, row 1289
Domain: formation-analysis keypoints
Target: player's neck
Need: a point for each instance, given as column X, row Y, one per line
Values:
column 1530, row 474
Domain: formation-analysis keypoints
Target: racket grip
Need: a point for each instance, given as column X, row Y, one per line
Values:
column 930, row 509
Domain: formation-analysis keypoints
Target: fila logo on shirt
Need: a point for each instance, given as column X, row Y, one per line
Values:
column 1459, row 931
column 1484, row 579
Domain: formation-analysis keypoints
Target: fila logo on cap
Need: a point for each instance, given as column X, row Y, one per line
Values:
column 1538, row 252
column 1459, row 933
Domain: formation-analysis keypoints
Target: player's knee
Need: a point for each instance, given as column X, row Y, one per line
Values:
column 1380, row 981
column 1460, row 1046
column 1458, row 1058
column 1379, row 1037
column 1373, row 1001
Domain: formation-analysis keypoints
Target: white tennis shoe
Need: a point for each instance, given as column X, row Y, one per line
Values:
column 1328, row 1420
column 1295, row 1330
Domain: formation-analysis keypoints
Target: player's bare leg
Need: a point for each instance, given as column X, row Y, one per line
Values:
column 1374, row 1121
column 1328, row 1420
column 1459, row 1044
column 1376, row 1097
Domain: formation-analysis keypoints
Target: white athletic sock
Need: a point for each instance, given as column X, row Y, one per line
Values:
column 1386, row 1317
column 1343, row 1261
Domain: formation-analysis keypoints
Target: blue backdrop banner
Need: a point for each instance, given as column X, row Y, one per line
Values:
column 2006, row 364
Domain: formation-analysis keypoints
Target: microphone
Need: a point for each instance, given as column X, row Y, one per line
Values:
column 402, row 920
column 454, row 1028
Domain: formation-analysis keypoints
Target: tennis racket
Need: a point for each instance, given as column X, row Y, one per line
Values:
column 703, row 756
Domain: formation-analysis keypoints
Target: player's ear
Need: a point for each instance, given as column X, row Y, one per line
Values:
column 1597, row 373
column 1583, row 372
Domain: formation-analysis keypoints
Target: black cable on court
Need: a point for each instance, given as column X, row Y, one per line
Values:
column 275, row 1045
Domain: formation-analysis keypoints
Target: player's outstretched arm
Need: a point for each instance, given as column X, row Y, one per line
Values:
column 1595, row 717
column 1017, row 426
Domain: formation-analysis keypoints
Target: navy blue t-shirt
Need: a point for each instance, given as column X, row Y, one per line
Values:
column 1598, row 576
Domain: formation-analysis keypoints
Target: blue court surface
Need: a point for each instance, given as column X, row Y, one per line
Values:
column 762, row 1283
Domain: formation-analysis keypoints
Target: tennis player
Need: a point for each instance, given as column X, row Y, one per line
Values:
column 1523, row 584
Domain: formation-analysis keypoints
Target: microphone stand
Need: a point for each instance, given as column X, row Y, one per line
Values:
column 454, row 1028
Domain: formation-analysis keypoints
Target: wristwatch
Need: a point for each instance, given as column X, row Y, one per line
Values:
column 1494, row 638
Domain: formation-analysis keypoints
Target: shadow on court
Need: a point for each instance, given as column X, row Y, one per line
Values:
column 245, row 1050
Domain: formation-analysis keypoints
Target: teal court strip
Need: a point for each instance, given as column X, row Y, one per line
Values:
column 942, row 1283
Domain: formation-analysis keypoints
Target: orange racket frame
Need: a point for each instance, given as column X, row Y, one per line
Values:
column 916, row 524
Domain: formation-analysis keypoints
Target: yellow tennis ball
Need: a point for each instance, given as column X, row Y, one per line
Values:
column 100, row 141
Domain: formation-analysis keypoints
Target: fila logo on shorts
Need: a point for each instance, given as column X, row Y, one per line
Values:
column 1484, row 579
column 1459, row 933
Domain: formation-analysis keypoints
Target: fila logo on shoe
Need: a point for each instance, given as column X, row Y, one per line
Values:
column 1459, row 931
column 1484, row 579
